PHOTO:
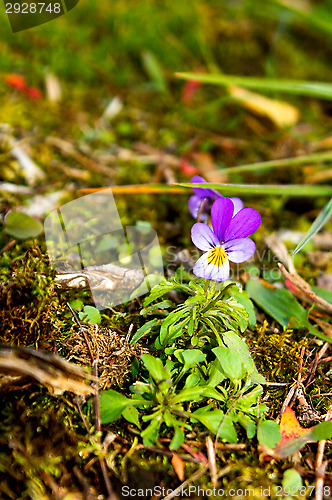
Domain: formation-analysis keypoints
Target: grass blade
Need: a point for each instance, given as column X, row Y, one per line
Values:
column 321, row 90
column 319, row 222
column 293, row 190
column 280, row 163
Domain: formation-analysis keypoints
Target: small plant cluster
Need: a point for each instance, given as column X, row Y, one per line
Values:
column 202, row 372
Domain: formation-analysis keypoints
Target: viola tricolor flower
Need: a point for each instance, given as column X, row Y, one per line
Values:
column 227, row 240
column 204, row 197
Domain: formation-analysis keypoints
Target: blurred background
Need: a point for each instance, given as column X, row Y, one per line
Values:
column 92, row 99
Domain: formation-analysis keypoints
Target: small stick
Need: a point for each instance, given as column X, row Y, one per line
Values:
column 211, row 453
column 320, row 466
column 288, row 398
column 192, row 478
column 303, row 286
column 7, row 246
column 314, row 364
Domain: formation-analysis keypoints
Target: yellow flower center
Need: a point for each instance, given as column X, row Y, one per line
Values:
column 217, row 256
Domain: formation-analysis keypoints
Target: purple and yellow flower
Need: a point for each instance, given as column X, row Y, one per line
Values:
column 227, row 240
column 201, row 202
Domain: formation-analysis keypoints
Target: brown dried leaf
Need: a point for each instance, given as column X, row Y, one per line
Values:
column 48, row 369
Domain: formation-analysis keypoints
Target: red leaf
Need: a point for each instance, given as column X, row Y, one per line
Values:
column 33, row 92
column 178, row 466
column 290, row 426
column 187, row 168
column 16, row 82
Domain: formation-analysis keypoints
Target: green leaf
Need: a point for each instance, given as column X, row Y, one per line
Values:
column 77, row 305
column 244, row 300
column 190, row 357
column 282, row 306
column 321, row 90
column 191, row 394
column 177, row 439
column 218, row 423
column 230, row 362
column 323, row 293
column 248, row 424
column 318, row 223
column 151, row 433
column 235, row 343
column 146, row 328
column 172, row 327
column 292, row 480
column 22, row 226
column 131, row 414
column 90, row 314
column 211, row 392
column 248, row 400
column 155, row 368
column 112, row 405
column 322, row 431
column 164, row 304
column 268, row 433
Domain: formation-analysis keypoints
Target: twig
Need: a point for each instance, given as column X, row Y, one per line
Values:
column 211, row 453
column 7, row 246
column 94, row 360
column 314, row 364
column 288, row 398
column 320, row 466
column 191, row 479
column 303, row 286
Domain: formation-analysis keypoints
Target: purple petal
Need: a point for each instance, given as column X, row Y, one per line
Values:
column 194, row 204
column 203, row 237
column 240, row 250
column 203, row 269
column 221, row 216
column 238, row 205
column 244, row 223
column 202, row 192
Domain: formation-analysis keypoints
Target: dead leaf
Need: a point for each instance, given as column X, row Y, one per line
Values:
column 178, row 466
column 280, row 113
column 57, row 374
column 53, row 88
